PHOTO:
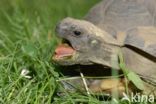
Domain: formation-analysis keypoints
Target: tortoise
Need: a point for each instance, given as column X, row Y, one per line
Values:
column 111, row 26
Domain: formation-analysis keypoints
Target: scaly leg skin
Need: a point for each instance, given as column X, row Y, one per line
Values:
column 108, row 86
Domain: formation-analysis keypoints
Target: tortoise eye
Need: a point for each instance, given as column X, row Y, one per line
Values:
column 77, row 33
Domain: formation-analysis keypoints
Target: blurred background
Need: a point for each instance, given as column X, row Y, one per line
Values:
column 35, row 20
column 27, row 42
column 45, row 12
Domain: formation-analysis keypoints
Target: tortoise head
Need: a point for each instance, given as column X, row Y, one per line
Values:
column 83, row 43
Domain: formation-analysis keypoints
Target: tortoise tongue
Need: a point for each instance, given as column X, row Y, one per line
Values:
column 63, row 50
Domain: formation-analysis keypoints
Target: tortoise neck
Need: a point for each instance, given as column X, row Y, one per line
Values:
column 107, row 56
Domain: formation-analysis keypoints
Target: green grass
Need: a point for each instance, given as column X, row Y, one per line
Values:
column 27, row 41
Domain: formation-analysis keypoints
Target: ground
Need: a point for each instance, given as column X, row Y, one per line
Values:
column 27, row 42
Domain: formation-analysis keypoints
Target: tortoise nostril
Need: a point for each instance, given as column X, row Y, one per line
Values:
column 61, row 28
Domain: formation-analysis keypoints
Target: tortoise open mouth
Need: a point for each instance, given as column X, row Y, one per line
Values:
column 64, row 51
